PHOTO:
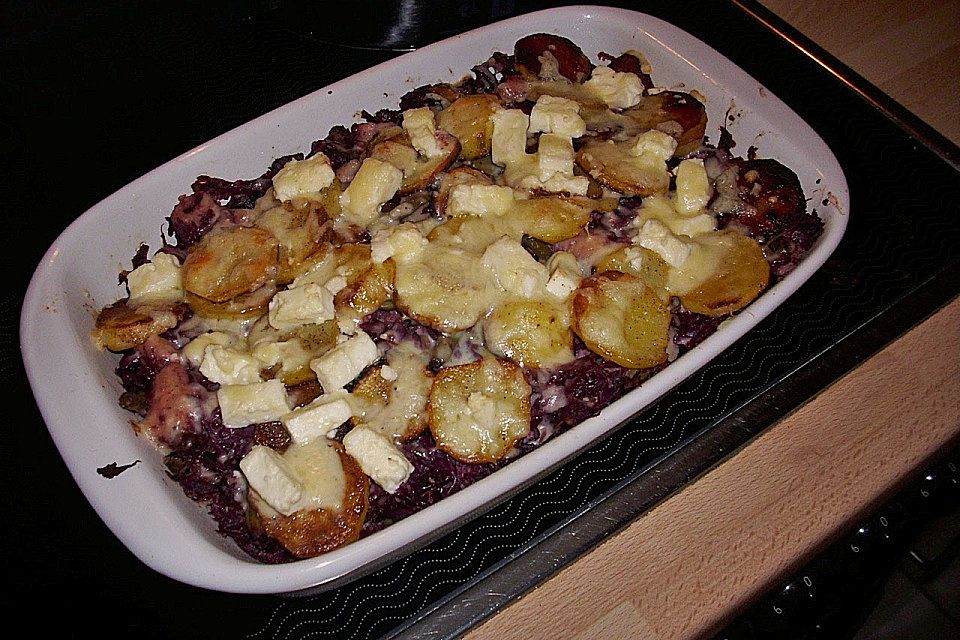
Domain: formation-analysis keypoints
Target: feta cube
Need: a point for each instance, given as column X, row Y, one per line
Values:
column 194, row 350
column 272, row 478
column 403, row 243
column 509, row 141
column 514, row 270
column 619, row 90
column 557, row 115
column 156, row 282
column 307, row 304
column 421, row 127
column 378, row 457
column 554, row 156
column 375, row 183
column 318, row 418
column 245, row 404
column 480, row 200
column 345, row 361
column 303, row 178
column 565, row 274
column 653, row 145
column 693, row 187
column 654, row 235
column 224, row 365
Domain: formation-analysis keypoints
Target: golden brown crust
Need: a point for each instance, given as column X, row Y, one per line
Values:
column 309, row 533
column 742, row 275
column 120, row 327
column 229, row 262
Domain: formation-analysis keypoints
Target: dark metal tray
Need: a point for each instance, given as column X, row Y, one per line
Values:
column 184, row 74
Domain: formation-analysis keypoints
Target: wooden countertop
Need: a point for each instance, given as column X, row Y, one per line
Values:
column 695, row 560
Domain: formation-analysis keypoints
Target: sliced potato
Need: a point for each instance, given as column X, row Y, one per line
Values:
column 479, row 411
column 301, row 233
column 348, row 261
column 468, row 119
column 552, row 218
column 229, row 262
column 674, row 112
column 456, row 177
column 418, row 171
column 740, row 274
column 641, row 262
column 447, row 288
column 366, row 293
column 288, row 354
column 396, row 394
column 120, row 327
column 310, row 532
column 609, row 164
column 248, row 305
column 622, row 319
column 532, row 333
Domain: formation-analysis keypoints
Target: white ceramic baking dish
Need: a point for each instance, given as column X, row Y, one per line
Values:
column 76, row 388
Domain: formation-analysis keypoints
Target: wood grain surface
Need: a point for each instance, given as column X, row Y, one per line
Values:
column 698, row 558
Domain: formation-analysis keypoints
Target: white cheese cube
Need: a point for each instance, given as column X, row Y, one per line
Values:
column 574, row 185
column 654, row 235
column 480, row 200
column 194, row 350
column 318, row 418
column 557, row 115
column 403, row 243
column 515, row 270
column 619, row 90
column 565, row 274
column 245, row 404
column 156, row 282
column 272, row 478
column 378, row 457
column 229, row 366
column 693, row 187
column 421, row 127
column 375, row 183
column 653, row 145
column 335, row 284
column 509, row 141
column 303, row 178
column 306, row 304
column 345, row 361
column 554, row 156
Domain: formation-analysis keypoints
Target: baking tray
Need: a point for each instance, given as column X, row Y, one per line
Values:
column 896, row 265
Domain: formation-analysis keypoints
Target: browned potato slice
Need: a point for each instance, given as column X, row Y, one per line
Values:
column 349, row 260
column 457, row 176
column 622, row 319
column 119, row 327
column 367, row 293
column 740, row 275
column 478, row 411
column 676, row 113
column 552, row 218
column 532, row 333
column 229, row 262
column 299, row 347
column 396, row 408
column 248, row 305
column 310, row 532
column 472, row 233
column 641, row 262
column 609, row 164
column 468, row 119
column 447, row 288
column 301, row 233
column 418, row 172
